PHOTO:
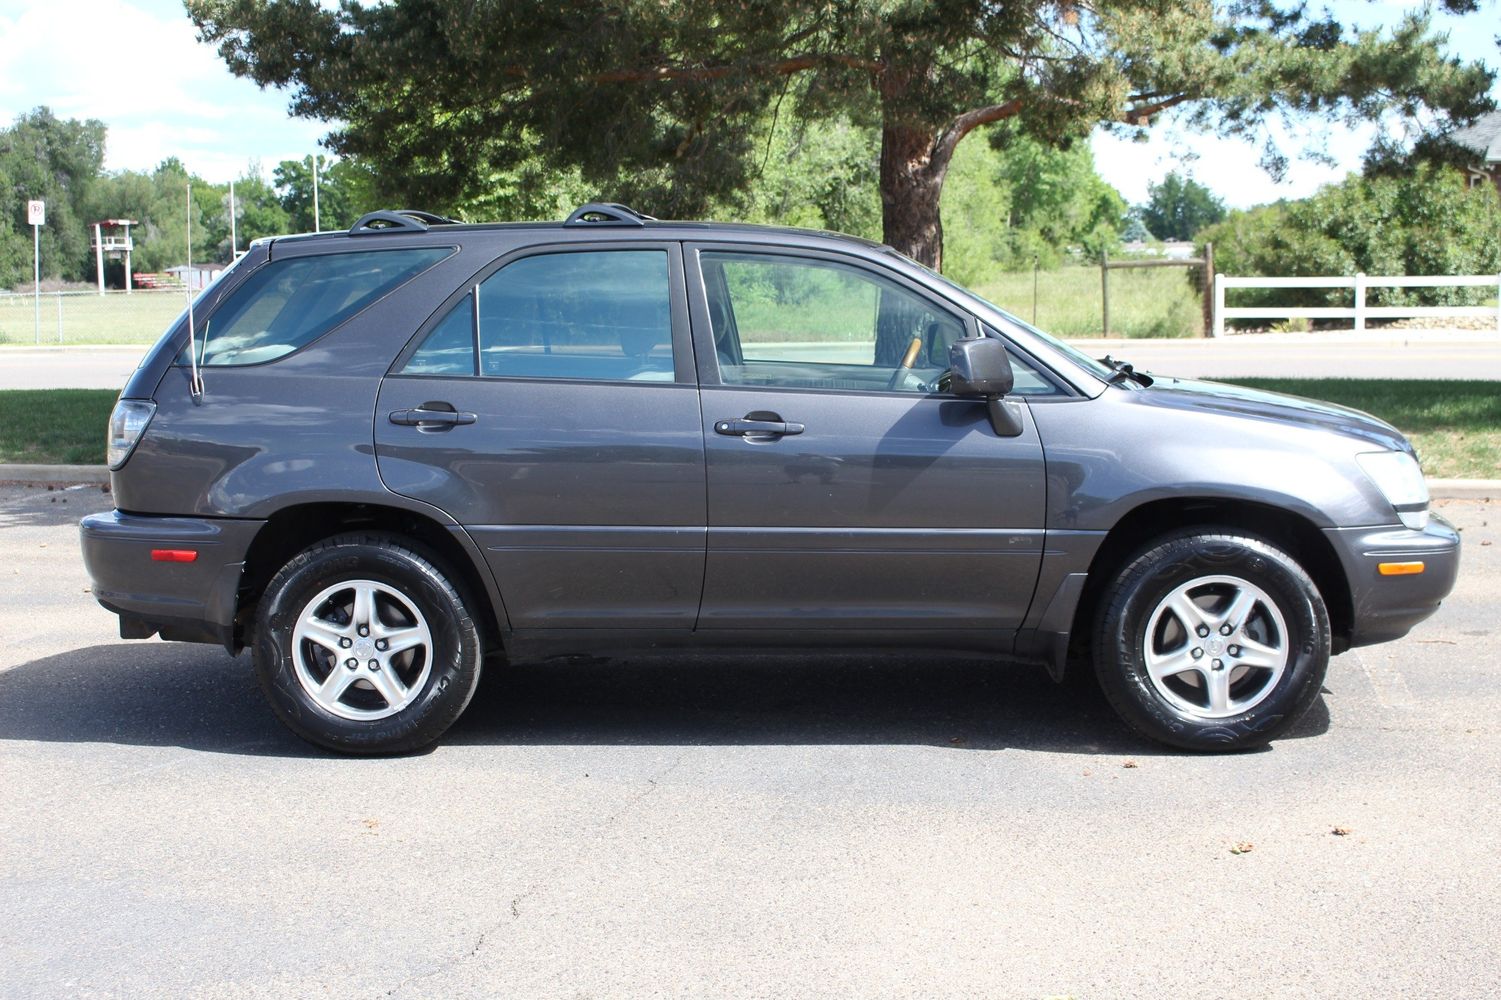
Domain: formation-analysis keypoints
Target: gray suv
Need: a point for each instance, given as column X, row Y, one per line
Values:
column 377, row 457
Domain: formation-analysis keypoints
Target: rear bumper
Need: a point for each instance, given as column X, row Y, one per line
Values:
column 1387, row 607
column 188, row 601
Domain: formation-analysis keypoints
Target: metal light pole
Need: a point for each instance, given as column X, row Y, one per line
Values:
column 129, row 278
column 36, row 214
column 234, row 245
column 317, row 228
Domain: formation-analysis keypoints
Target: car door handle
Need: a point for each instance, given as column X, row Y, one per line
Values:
column 421, row 416
column 745, row 426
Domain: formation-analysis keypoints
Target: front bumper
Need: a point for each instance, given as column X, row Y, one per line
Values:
column 187, row 601
column 1387, row 607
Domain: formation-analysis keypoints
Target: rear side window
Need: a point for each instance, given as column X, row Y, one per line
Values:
column 598, row 315
column 289, row 303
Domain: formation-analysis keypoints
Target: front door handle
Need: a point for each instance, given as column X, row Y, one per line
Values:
column 748, row 426
column 424, row 416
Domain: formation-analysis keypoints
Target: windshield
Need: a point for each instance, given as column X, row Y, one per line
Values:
column 1004, row 318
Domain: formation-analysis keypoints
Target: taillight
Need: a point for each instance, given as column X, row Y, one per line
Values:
column 126, row 425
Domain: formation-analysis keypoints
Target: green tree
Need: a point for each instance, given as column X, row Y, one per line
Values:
column 1178, row 207
column 55, row 160
column 346, row 191
column 158, row 201
column 661, row 101
column 258, row 210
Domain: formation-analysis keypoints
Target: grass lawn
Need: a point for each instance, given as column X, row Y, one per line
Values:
column 1152, row 302
column 1456, row 426
column 86, row 318
column 54, row 426
column 1144, row 302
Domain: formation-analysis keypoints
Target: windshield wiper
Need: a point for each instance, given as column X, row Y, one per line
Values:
column 1124, row 370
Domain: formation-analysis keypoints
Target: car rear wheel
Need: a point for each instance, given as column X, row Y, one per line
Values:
column 1212, row 640
column 364, row 645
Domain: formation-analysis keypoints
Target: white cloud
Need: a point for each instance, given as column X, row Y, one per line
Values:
column 138, row 66
column 1229, row 167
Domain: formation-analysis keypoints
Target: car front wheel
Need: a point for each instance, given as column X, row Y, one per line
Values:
column 1212, row 640
column 363, row 645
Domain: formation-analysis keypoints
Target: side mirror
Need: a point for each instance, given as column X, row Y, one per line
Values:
column 979, row 368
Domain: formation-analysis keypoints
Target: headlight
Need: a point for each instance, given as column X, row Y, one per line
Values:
column 1397, row 476
column 126, row 425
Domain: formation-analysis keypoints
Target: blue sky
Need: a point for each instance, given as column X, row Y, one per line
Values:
column 136, row 65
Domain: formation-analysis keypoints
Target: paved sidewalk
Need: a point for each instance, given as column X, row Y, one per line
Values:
column 1395, row 354
column 68, row 367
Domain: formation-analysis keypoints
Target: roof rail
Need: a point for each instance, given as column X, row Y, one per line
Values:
column 606, row 213
column 408, row 220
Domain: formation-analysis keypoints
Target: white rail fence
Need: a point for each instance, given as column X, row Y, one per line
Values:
column 1360, row 311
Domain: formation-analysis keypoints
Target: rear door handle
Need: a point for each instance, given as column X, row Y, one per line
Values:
column 746, row 426
column 421, row 416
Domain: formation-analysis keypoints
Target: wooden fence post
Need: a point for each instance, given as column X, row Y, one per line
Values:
column 1105, row 293
column 1207, row 290
column 1219, row 306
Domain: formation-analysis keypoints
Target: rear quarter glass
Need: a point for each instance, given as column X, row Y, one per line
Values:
column 287, row 304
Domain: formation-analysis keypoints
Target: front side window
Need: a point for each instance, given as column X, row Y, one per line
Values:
column 805, row 323
column 289, row 303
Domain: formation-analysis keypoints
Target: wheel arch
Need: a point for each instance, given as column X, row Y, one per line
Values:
column 1299, row 537
column 292, row 529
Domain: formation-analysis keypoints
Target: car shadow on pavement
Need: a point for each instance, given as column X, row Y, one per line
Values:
column 193, row 696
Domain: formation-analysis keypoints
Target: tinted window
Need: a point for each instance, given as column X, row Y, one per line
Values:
column 289, row 303
column 798, row 322
column 1030, row 381
column 590, row 315
column 448, row 348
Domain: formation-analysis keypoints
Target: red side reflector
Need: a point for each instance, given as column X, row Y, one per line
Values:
column 174, row 555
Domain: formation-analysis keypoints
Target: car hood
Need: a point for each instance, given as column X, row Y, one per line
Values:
column 1258, row 404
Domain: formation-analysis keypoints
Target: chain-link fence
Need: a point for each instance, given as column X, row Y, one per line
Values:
column 137, row 317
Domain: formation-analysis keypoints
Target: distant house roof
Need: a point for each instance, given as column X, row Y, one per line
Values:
column 1482, row 138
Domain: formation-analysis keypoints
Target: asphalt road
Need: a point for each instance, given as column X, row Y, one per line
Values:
column 749, row 827
column 1414, row 354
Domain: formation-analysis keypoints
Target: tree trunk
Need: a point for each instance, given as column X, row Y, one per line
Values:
column 911, row 183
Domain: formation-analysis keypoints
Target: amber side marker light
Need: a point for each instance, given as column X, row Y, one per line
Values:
column 184, row 555
column 1399, row 569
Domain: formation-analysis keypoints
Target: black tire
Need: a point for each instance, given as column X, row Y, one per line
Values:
column 1178, row 709
column 410, row 588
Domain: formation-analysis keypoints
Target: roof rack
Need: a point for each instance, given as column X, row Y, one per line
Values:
column 606, row 213
column 408, row 220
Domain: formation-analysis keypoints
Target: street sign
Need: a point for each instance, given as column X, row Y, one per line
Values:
column 36, row 213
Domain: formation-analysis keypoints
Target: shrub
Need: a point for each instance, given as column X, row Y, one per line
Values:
column 1423, row 222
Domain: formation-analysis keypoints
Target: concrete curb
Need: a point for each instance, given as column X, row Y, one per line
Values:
column 1464, row 489
column 62, row 475
column 54, row 475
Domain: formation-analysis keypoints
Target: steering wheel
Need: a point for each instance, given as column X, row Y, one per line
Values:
column 905, row 368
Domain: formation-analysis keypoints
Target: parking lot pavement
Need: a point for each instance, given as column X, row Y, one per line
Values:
column 829, row 826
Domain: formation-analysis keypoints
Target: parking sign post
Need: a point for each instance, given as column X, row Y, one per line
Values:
column 36, row 214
